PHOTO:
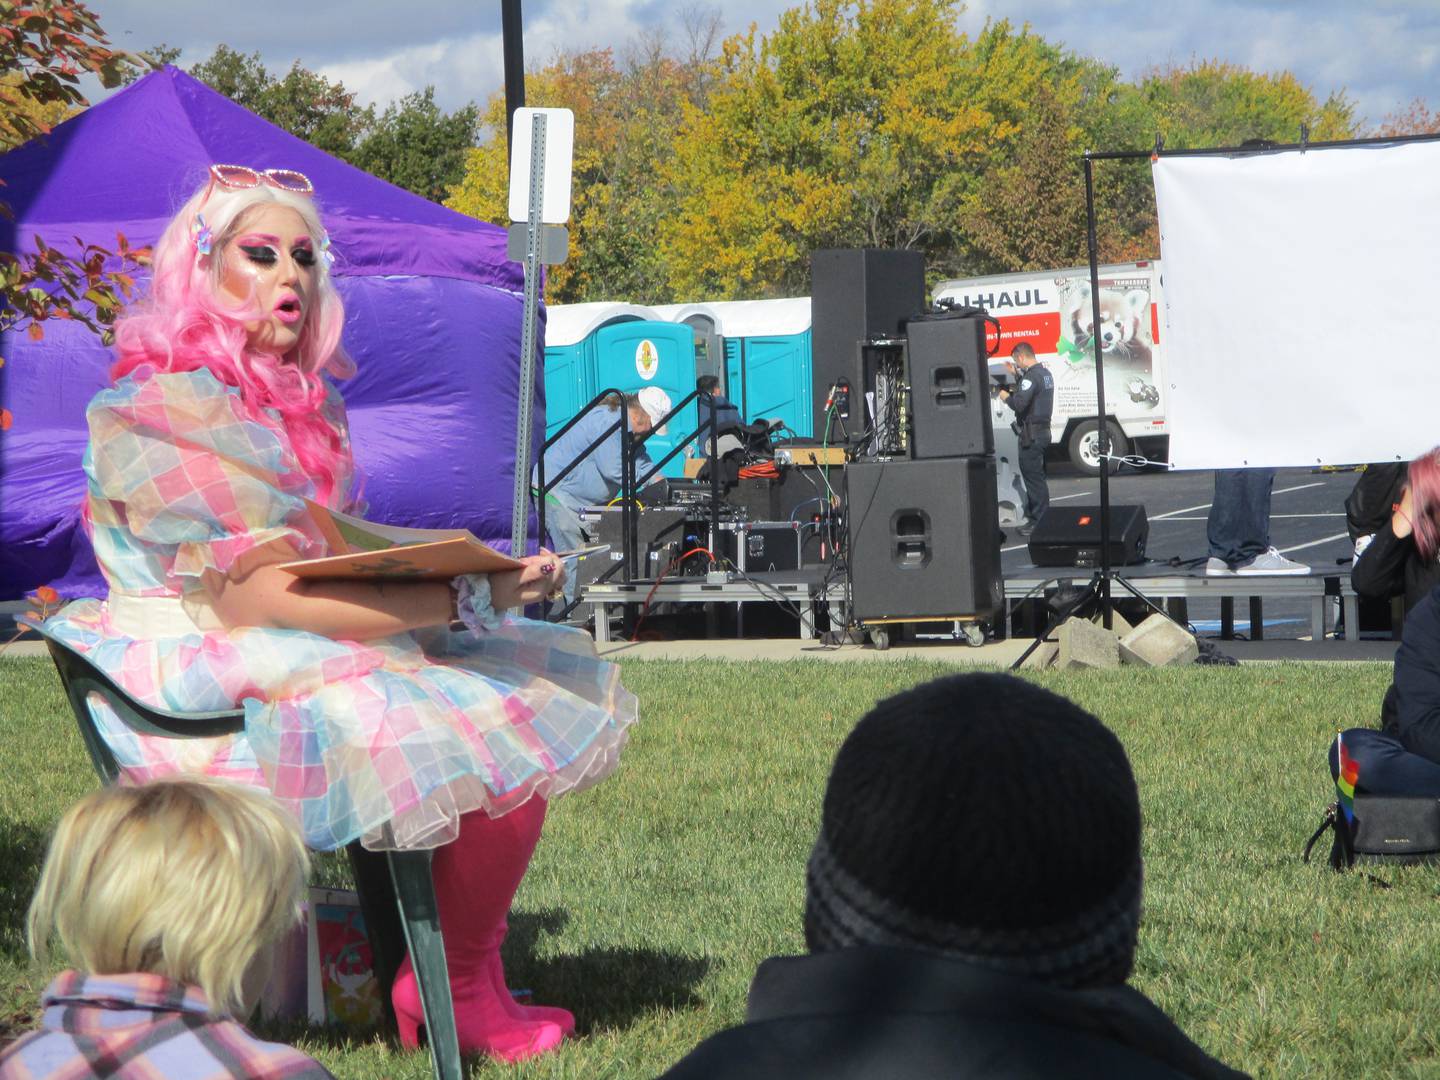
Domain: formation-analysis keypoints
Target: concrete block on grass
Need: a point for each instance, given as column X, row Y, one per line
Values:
column 1119, row 625
column 1085, row 645
column 1158, row 642
column 1043, row 656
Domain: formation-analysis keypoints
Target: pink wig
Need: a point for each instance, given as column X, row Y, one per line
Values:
column 186, row 323
column 1425, row 502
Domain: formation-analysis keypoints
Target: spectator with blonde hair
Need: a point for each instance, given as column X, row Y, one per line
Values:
column 165, row 899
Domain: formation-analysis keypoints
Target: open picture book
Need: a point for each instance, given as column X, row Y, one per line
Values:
column 390, row 551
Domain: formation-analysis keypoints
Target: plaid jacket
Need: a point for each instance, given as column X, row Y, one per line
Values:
column 143, row 1027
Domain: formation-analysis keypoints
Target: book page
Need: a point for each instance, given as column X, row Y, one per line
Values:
column 358, row 534
column 436, row 561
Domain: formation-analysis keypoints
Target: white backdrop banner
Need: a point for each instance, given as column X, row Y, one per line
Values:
column 1302, row 300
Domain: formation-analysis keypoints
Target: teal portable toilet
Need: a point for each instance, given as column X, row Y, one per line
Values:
column 571, row 378
column 634, row 354
column 767, row 355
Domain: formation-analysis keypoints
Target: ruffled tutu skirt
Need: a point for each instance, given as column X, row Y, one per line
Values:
column 387, row 741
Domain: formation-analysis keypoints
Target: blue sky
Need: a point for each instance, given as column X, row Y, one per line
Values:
column 1383, row 53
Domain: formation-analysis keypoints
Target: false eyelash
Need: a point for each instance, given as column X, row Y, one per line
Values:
column 263, row 255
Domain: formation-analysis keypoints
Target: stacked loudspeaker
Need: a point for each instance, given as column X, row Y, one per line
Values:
column 921, row 515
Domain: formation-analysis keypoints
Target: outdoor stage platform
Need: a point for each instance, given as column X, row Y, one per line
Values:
column 811, row 588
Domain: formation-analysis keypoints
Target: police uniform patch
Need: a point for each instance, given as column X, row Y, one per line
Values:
column 1024, row 384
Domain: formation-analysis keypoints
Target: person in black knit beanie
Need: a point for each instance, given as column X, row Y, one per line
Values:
column 972, row 905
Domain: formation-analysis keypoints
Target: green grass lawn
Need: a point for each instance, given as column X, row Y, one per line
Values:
column 653, row 897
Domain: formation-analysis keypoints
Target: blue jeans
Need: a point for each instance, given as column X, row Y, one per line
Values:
column 1386, row 767
column 566, row 534
column 1238, row 527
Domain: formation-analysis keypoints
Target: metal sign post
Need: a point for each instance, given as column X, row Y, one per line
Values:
column 541, row 194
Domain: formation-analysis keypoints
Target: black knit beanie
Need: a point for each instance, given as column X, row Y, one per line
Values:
column 982, row 817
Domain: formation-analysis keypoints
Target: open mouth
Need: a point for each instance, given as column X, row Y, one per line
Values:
column 288, row 310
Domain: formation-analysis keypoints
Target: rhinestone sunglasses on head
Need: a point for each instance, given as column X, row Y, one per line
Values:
column 243, row 176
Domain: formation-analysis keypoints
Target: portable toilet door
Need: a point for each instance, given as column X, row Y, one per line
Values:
column 633, row 355
column 569, row 382
column 774, row 379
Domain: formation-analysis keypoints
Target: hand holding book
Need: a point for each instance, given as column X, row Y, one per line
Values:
column 389, row 552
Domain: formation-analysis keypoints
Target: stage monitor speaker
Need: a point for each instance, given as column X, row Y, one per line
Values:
column 1070, row 536
column 856, row 294
column 949, row 387
column 923, row 539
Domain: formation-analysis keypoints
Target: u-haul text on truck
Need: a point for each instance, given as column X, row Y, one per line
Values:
column 1053, row 312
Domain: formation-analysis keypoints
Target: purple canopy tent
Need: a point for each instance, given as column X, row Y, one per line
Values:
column 433, row 322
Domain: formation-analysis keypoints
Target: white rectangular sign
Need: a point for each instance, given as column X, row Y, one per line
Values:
column 559, row 151
column 1300, row 305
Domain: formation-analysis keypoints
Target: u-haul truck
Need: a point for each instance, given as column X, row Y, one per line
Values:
column 1052, row 311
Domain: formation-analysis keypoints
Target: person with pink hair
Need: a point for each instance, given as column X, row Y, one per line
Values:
column 1403, row 556
column 366, row 714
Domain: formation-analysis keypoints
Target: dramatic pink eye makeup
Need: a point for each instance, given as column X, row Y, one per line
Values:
column 260, row 248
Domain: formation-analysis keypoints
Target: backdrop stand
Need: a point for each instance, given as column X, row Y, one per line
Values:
column 1096, row 595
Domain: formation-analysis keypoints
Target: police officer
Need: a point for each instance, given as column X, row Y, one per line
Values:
column 1033, row 401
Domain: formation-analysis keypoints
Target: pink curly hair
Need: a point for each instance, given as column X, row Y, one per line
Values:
column 1424, row 481
column 185, row 324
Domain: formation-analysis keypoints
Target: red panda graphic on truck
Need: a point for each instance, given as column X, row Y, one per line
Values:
column 1054, row 311
column 1123, row 333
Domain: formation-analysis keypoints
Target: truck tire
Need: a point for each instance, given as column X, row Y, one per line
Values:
column 1083, row 446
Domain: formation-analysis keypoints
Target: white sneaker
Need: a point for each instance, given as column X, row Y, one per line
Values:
column 1218, row 568
column 1271, row 562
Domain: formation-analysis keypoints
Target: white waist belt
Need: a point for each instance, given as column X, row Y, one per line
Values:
column 160, row 616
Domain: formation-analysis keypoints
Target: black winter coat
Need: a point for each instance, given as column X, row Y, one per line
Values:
column 1412, row 707
column 872, row 1012
column 1391, row 566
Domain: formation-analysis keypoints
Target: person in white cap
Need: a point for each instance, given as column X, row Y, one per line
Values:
column 595, row 481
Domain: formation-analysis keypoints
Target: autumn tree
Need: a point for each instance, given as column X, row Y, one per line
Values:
column 1213, row 103
column 1416, row 118
column 625, row 114
column 45, row 45
column 846, row 127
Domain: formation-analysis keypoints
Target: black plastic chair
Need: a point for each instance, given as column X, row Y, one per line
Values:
column 409, row 870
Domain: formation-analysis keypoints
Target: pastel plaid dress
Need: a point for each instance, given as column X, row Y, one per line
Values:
column 386, row 740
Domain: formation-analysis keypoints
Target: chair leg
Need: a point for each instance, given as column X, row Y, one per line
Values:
column 383, row 925
column 418, row 911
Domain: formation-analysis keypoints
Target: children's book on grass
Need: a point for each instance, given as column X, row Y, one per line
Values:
column 382, row 552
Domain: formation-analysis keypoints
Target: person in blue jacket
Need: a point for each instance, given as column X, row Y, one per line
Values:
column 596, row 480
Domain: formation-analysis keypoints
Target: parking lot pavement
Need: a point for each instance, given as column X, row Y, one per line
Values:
column 1307, row 524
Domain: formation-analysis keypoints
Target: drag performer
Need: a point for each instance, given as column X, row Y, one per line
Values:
column 366, row 715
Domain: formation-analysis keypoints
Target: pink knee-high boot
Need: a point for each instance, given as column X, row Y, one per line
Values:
column 563, row 1017
column 476, row 877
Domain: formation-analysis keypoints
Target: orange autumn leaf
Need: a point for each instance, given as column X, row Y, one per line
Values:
column 5, row 419
column 46, row 595
column 36, row 331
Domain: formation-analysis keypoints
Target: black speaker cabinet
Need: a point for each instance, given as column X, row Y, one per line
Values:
column 949, row 388
column 1070, row 536
column 659, row 540
column 856, row 294
column 924, row 543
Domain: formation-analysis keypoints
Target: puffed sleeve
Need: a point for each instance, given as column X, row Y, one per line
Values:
column 176, row 459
